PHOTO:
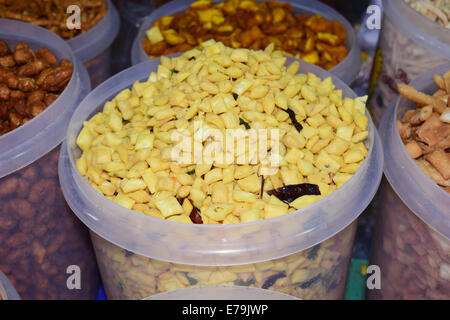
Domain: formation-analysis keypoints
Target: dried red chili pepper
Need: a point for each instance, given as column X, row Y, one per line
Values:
column 287, row 194
column 296, row 124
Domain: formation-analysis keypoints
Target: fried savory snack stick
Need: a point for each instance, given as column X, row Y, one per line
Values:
column 436, row 10
column 253, row 25
column 425, row 131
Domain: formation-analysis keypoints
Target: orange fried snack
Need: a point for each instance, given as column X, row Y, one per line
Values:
column 250, row 24
column 425, row 131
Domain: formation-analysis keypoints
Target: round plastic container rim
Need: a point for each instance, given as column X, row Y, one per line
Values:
column 418, row 192
column 7, row 291
column 93, row 42
column 221, row 292
column 347, row 69
column 41, row 134
column 416, row 26
column 212, row 244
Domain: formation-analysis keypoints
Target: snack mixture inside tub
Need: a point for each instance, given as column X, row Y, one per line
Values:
column 163, row 147
column 426, row 130
column 250, row 24
column 316, row 273
column 409, row 45
column 436, row 10
column 53, row 14
column 41, row 83
column 411, row 239
column 141, row 152
column 29, row 82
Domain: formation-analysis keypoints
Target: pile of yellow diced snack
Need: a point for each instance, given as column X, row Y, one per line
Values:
column 128, row 147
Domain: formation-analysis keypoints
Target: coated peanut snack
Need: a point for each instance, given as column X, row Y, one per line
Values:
column 414, row 259
column 53, row 15
column 436, row 10
column 128, row 148
column 317, row 273
column 41, row 237
column 30, row 81
column 399, row 58
column 425, row 131
column 250, row 24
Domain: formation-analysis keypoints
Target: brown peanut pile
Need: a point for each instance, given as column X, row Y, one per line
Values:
column 425, row 131
column 29, row 82
column 52, row 14
column 40, row 236
column 253, row 25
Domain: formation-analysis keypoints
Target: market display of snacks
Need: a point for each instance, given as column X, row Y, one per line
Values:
column 415, row 258
column 30, row 81
column 128, row 147
column 316, row 273
column 426, row 130
column 250, row 24
column 402, row 55
column 53, row 14
column 41, row 237
column 436, row 10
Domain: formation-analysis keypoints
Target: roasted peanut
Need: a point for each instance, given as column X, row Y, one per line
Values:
column 31, row 85
column 53, row 15
column 41, row 236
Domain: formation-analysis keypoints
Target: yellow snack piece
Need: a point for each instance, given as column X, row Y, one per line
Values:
column 154, row 35
column 169, row 206
column 304, row 201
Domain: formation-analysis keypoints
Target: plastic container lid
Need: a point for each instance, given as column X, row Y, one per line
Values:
column 416, row 26
column 346, row 70
column 37, row 137
column 221, row 293
column 7, row 291
column 212, row 244
column 93, row 42
column 420, row 194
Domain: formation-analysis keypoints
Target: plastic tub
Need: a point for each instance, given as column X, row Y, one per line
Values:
column 304, row 254
column 131, row 16
column 347, row 70
column 94, row 49
column 412, row 245
column 409, row 45
column 7, row 291
column 40, row 235
column 221, row 293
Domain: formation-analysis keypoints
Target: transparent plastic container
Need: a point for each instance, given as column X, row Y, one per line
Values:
column 94, row 47
column 409, row 45
column 131, row 16
column 221, row 293
column 347, row 70
column 39, row 235
column 305, row 254
column 412, row 236
column 7, row 291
